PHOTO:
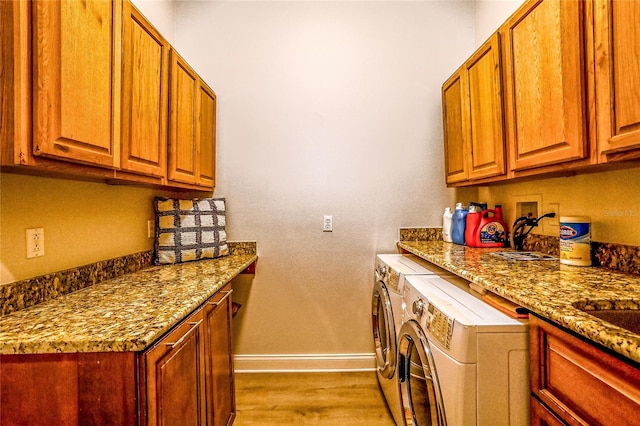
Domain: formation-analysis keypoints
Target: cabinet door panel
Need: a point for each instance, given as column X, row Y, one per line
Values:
column 220, row 380
column 545, row 85
column 145, row 96
column 207, row 136
column 581, row 383
column 453, row 110
column 618, row 75
column 77, row 63
column 486, row 133
column 175, row 373
column 182, row 149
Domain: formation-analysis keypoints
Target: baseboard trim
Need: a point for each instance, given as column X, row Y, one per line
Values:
column 304, row 363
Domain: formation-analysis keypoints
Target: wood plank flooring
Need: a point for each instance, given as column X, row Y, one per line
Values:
column 339, row 399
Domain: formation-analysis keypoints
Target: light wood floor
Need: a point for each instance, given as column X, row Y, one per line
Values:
column 310, row 399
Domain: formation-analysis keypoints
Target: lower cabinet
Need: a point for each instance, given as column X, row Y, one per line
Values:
column 220, row 385
column 576, row 383
column 185, row 378
column 172, row 372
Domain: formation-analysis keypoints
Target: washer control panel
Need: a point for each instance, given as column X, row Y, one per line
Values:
column 439, row 325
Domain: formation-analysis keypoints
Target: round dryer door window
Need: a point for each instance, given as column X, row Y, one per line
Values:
column 421, row 397
column 384, row 333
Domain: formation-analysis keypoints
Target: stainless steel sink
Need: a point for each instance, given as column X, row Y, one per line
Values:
column 622, row 313
column 629, row 319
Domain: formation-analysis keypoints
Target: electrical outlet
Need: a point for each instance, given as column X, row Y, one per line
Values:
column 35, row 242
column 150, row 229
column 327, row 224
column 553, row 222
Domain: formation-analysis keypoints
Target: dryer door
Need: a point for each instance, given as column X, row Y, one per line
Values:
column 421, row 396
column 384, row 333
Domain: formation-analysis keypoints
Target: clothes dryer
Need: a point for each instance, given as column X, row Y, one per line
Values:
column 390, row 273
column 460, row 361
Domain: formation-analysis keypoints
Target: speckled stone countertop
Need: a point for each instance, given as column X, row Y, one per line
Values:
column 547, row 288
column 127, row 313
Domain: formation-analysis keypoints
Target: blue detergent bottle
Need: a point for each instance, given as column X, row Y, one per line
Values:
column 458, row 224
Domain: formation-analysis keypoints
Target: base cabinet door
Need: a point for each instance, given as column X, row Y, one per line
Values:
column 579, row 383
column 221, row 405
column 174, row 376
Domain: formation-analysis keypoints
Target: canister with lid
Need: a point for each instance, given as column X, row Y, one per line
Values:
column 575, row 240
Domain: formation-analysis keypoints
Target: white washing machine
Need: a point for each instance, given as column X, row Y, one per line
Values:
column 390, row 272
column 460, row 361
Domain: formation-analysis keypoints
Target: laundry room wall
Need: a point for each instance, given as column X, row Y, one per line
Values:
column 324, row 108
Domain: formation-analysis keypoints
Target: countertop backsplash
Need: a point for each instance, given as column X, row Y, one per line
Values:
column 32, row 291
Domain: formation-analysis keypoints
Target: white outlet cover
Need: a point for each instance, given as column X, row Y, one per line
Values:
column 35, row 242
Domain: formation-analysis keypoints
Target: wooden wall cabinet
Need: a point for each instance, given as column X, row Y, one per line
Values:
column 455, row 144
column 617, row 78
column 473, row 117
column 576, row 383
column 98, row 74
column 76, row 81
column 191, row 126
column 546, row 92
column 145, row 96
column 186, row 377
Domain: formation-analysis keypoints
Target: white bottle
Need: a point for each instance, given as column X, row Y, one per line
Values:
column 446, row 225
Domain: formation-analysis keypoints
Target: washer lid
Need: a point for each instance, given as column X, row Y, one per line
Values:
column 448, row 295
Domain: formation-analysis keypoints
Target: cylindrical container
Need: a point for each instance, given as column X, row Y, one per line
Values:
column 575, row 240
column 458, row 224
column 447, row 218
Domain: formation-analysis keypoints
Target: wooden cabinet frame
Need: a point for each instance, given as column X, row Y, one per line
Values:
column 579, row 383
column 51, row 136
column 474, row 143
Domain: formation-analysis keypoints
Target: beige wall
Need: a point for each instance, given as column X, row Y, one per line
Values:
column 490, row 14
column 325, row 108
column 83, row 223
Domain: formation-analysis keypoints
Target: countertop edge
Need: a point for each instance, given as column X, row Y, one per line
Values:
column 563, row 313
column 17, row 344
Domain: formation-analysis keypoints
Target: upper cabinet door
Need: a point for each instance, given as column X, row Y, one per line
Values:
column 206, row 133
column 546, row 100
column 485, row 128
column 454, row 116
column 617, row 32
column 77, row 64
column 183, row 117
column 192, row 126
column 145, row 96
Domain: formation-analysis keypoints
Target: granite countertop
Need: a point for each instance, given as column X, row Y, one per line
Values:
column 547, row 288
column 127, row 313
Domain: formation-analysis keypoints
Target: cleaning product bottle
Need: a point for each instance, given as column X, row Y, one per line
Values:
column 492, row 231
column 471, row 236
column 447, row 218
column 458, row 224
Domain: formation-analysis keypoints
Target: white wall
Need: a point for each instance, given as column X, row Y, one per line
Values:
column 490, row 14
column 324, row 108
column 162, row 14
